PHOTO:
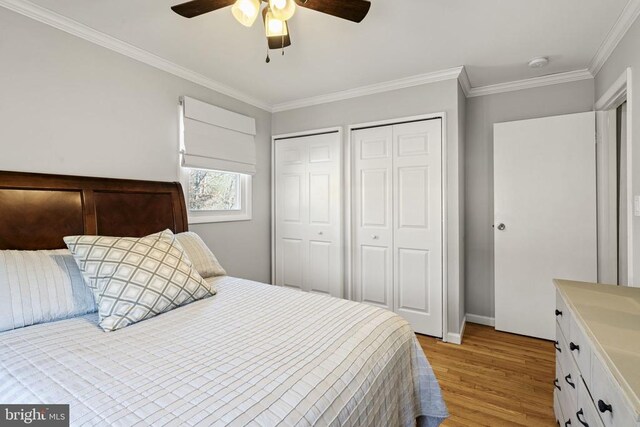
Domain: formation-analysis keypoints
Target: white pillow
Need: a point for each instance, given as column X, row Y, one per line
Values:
column 200, row 255
column 134, row 279
column 41, row 286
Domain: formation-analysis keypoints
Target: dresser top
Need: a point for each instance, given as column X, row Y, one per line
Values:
column 610, row 316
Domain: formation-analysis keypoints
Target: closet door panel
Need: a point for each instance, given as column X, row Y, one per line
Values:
column 292, row 262
column 373, row 217
column 413, row 267
column 320, row 264
column 375, row 275
column 292, row 206
column 417, row 213
column 413, row 195
column 325, row 214
column 320, row 198
column 374, row 184
column 308, row 211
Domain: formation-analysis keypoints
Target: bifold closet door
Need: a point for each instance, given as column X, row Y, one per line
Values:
column 308, row 230
column 397, row 221
column 372, row 226
column 417, row 218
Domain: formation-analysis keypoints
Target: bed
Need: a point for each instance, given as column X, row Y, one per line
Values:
column 253, row 354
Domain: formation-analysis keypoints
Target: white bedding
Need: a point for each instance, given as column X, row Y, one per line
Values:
column 253, row 354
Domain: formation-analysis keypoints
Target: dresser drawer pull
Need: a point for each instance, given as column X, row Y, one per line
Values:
column 603, row 407
column 568, row 380
column 568, row 423
column 556, row 384
column 579, row 416
column 556, row 344
column 558, row 312
column 574, row 347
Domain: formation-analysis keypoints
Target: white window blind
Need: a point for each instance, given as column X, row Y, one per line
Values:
column 215, row 138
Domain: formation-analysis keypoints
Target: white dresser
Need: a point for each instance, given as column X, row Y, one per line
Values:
column 597, row 355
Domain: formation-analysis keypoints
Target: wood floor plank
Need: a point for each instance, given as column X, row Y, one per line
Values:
column 494, row 378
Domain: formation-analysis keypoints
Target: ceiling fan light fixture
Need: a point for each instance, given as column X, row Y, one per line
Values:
column 275, row 27
column 282, row 9
column 246, row 11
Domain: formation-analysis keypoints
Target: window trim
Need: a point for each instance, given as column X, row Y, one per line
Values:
column 205, row 217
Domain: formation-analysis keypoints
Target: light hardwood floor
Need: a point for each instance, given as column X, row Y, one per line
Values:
column 494, row 378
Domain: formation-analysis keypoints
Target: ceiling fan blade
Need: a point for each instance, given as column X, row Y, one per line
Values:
column 194, row 8
column 277, row 42
column 351, row 10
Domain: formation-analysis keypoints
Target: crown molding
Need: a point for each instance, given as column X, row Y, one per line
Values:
column 77, row 29
column 626, row 19
column 417, row 80
column 53, row 19
column 548, row 80
column 465, row 83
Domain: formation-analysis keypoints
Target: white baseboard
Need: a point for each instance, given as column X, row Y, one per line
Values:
column 457, row 338
column 481, row 320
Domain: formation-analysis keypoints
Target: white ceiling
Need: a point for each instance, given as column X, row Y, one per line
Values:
column 493, row 39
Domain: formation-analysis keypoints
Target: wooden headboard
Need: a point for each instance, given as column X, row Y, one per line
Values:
column 37, row 210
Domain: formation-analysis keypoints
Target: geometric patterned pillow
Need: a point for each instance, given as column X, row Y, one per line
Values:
column 134, row 279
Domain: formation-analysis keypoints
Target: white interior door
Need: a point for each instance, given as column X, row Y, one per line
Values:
column 417, row 213
column 308, row 227
column 372, row 242
column 545, row 216
column 397, row 221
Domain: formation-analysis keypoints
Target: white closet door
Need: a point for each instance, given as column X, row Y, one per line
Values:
column 373, row 217
column 417, row 213
column 292, row 210
column 308, row 214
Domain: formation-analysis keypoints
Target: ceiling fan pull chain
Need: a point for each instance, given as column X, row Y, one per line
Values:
column 268, row 59
column 282, row 45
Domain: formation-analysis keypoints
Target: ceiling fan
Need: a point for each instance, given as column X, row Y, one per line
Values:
column 276, row 14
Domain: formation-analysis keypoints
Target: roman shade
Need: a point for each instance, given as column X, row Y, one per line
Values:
column 215, row 138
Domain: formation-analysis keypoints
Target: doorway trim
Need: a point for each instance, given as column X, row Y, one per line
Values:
column 348, row 204
column 302, row 134
column 619, row 92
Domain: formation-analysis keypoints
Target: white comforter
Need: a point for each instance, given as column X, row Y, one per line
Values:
column 253, row 354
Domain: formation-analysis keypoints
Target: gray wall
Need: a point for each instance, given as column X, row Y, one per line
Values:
column 627, row 54
column 68, row 106
column 482, row 113
column 430, row 98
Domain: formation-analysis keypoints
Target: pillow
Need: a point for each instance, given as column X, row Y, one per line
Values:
column 40, row 286
column 134, row 279
column 204, row 261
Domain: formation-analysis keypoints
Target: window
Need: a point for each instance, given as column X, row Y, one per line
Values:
column 218, row 158
column 215, row 196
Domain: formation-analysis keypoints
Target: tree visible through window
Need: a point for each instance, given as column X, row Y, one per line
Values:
column 213, row 191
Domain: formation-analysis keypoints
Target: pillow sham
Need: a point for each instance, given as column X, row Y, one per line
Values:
column 41, row 286
column 134, row 279
column 203, row 260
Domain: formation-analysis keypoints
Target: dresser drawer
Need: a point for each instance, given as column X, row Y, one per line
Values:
column 570, row 375
column 580, row 348
column 609, row 401
column 557, row 409
column 562, row 351
column 562, row 315
column 587, row 415
column 567, row 398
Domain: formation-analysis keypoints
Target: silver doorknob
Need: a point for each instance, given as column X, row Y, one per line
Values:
column 374, row 237
column 501, row 227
